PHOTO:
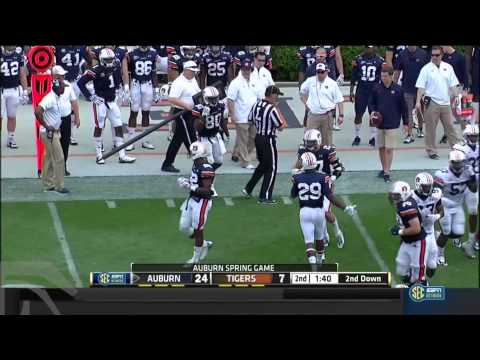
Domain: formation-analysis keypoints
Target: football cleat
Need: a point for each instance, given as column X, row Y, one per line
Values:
column 441, row 261
column 340, row 239
column 246, row 194
column 192, row 261
column 372, row 142
column 12, row 144
column 73, row 141
column 148, row 145
column 356, row 141
column 126, row 159
column 467, row 247
column 206, row 246
column 100, row 160
column 130, row 147
column 420, row 133
column 215, row 194
column 476, row 246
column 457, row 243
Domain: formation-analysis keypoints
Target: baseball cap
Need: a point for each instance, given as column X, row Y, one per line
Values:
column 321, row 67
column 191, row 65
column 272, row 89
column 58, row 70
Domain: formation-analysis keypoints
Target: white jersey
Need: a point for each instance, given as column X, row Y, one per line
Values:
column 454, row 186
column 427, row 207
column 472, row 154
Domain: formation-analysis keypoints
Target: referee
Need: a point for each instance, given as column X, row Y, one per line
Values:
column 267, row 120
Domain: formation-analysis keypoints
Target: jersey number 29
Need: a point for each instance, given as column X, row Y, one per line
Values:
column 311, row 191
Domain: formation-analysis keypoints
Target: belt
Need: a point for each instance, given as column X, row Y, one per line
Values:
column 134, row 81
column 325, row 113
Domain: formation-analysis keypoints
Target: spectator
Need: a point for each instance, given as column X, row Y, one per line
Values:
column 241, row 97
column 321, row 94
column 389, row 100
column 261, row 76
column 472, row 55
column 409, row 62
column 48, row 113
column 437, row 81
column 68, row 102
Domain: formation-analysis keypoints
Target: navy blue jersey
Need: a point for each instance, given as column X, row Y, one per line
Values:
column 69, row 57
column 396, row 50
column 177, row 60
column 366, row 70
column 327, row 155
column 306, row 57
column 410, row 63
column 164, row 50
column 213, row 121
column 406, row 211
column 311, row 187
column 142, row 64
column 103, row 82
column 241, row 55
column 216, row 67
column 331, row 62
column 10, row 65
column 198, row 176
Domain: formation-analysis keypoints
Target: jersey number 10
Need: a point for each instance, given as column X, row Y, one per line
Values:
column 368, row 73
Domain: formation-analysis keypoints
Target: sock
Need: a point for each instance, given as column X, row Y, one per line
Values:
column 119, row 141
column 471, row 238
column 373, row 132
column 312, row 260
column 98, row 146
column 131, row 132
column 336, row 227
column 357, row 129
column 327, row 237
column 441, row 251
column 196, row 252
column 11, row 134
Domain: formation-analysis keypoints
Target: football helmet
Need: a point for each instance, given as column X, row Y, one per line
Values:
column 312, row 138
column 470, row 134
column 210, row 95
column 188, row 51
column 144, row 48
column 215, row 49
column 456, row 160
column 400, row 191
column 251, row 48
column 9, row 49
column 107, row 58
column 198, row 150
column 309, row 161
column 424, row 183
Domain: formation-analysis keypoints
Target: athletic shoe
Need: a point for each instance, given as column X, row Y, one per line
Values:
column 235, row 158
column 420, row 133
column 372, row 142
column 100, row 160
column 130, row 147
column 443, row 140
column 50, row 189
column 215, row 194
column 336, row 128
column 126, row 159
column 386, row 178
column 434, row 156
column 356, row 141
column 67, row 173
column 468, row 249
column 249, row 167
column 206, row 246
column 408, row 140
column 170, row 168
column 380, row 174
column 147, row 145
column 267, row 201
column 12, row 144
column 73, row 141
column 63, row 191
column 441, row 261
column 246, row 194
column 457, row 243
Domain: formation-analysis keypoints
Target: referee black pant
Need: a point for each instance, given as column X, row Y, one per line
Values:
column 184, row 132
column 267, row 157
column 65, row 132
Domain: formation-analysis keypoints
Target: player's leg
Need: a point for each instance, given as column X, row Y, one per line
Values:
column 409, row 101
column 12, row 99
column 218, row 149
column 320, row 231
column 114, row 115
column 360, row 107
column 373, row 128
column 199, row 215
column 446, row 229
column 185, row 225
column 73, row 127
column 471, row 200
column 418, row 258
column 135, row 100
column 432, row 254
column 99, row 117
column 146, row 103
column 65, row 132
column 332, row 219
column 174, row 147
column 403, row 264
column 308, row 231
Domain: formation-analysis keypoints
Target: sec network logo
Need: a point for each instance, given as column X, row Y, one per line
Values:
column 419, row 293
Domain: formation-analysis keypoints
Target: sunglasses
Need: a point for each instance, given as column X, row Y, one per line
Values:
column 436, row 55
column 321, row 72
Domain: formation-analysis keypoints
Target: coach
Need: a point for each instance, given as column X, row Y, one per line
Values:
column 388, row 99
column 267, row 120
column 181, row 97
column 321, row 94
column 438, row 82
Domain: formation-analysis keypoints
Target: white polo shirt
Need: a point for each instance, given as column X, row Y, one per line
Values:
column 322, row 96
column 437, row 81
column 184, row 89
column 66, row 99
column 52, row 116
column 262, row 79
column 243, row 94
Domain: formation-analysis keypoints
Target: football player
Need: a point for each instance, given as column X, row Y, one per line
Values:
column 454, row 181
column 366, row 71
column 306, row 57
column 313, row 189
column 411, row 256
column 210, row 118
column 470, row 149
column 331, row 166
column 13, row 77
column 392, row 53
column 69, row 57
column 429, row 201
column 217, row 65
column 175, row 63
column 249, row 53
column 141, row 64
column 104, row 105
column 199, row 202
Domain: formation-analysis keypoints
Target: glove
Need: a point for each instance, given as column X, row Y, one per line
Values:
column 340, row 79
column 126, row 94
column 206, row 111
column 156, row 94
column 25, row 97
column 434, row 217
column 97, row 100
column 183, row 183
column 338, row 170
column 350, row 210
column 394, row 230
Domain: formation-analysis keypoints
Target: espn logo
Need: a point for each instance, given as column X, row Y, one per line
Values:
column 419, row 293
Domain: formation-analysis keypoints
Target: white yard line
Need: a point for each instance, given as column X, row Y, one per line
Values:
column 170, row 203
column 111, row 204
column 228, row 201
column 57, row 223
column 287, row 200
column 369, row 241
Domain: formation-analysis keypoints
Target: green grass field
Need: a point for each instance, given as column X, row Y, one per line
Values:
column 109, row 239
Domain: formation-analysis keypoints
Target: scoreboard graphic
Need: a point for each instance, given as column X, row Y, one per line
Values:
column 238, row 276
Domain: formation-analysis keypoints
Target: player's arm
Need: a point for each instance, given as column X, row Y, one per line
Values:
column 206, row 189
column 125, row 76
column 88, row 76
column 23, row 78
column 173, row 69
column 472, row 184
column 199, row 121
column 339, row 61
column 389, row 55
column 224, row 124
column 335, row 163
column 230, row 72
column 294, row 190
column 354, row 79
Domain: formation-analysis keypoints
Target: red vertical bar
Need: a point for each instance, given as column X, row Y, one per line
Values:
column 41, row 85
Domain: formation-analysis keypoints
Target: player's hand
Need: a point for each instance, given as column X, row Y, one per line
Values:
column 352, row 97
column 350, row 209
column 183, row 183
column 340, row 119
column 126, row 94
column 25, row 98
column 296, row 171
column 394, row 230
column 340, row 79
column 77, row 122
column 434, row 217
column 156, row 95
column 206, row 111
column 97, row 100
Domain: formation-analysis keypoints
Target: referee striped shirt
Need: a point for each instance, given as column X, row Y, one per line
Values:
column 265, row 117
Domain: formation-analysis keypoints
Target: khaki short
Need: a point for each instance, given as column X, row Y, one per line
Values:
column 387, row 138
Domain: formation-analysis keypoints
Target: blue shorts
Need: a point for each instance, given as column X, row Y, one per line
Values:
column 362, row 96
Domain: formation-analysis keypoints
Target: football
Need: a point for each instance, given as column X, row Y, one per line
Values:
column 376, row 119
